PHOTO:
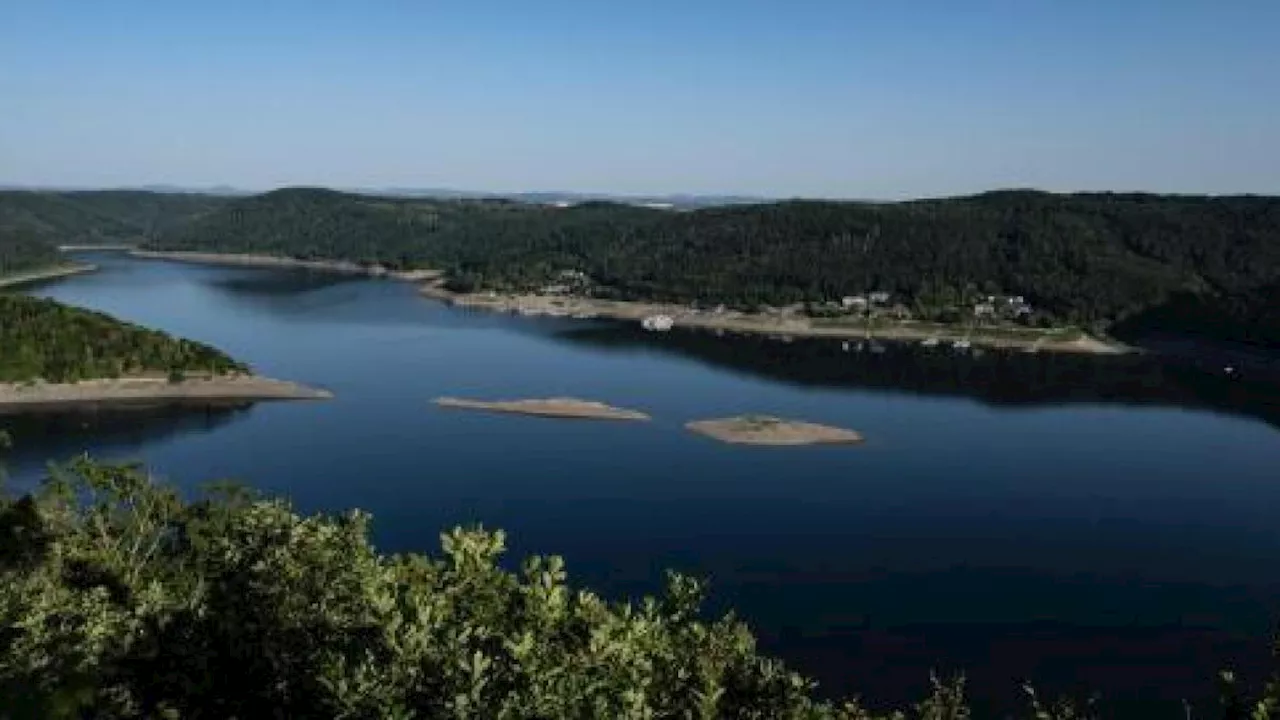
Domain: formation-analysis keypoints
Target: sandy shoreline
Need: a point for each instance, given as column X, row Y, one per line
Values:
column 20, row 396
column 686, row 317
column 766, row 430
column 681, row 315
column 52, row 273
column 275, row 261
column 570, row 408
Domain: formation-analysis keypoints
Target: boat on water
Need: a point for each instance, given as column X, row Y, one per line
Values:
column 961, row 344
column 929, row 342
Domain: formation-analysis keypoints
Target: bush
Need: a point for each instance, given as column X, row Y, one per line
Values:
column 118, row 599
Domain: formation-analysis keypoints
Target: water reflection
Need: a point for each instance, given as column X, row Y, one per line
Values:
column 1001, row 378
column 54, row 434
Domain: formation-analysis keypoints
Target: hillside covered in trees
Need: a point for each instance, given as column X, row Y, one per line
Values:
column 1113, row 262
column 33, row 223
column 22, row 250
column 43, row 339
column 119, row 599
column 1098, row 260
column 100, row 216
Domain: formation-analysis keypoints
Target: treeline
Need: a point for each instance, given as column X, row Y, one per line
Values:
column 118, row 599
column 45, row 340
column 34, row 223
column 101, row 216
column 1089, row 259
column 22, row 250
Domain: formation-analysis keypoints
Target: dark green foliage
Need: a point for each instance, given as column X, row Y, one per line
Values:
column 34, row 223
column 120, row 600
column 22, row 250
column 43, row 339
column 129, row 603
column 1090, row 259
column 100, row 216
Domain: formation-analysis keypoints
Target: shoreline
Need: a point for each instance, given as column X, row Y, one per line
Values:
column 16, row 397
column 50, row 273
column 681, row 315
column 757, row 324
column 344, row 267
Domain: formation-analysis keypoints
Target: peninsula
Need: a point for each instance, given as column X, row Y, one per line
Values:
column 58, row 355
column 766, row 430
column 54, row 272
column 18, row 397
column 570, row 408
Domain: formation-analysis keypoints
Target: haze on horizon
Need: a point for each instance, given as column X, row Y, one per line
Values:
column 823, row 98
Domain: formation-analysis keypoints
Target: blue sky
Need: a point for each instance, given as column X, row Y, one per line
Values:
column 834, row 98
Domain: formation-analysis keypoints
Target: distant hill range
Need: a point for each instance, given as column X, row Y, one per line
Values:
column 1122, row 263
column 682, row 201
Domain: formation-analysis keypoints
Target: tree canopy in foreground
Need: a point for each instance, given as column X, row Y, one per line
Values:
column 120, row 600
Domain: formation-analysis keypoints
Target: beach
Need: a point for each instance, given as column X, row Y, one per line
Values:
column 52, row 273
column 22, row 396
column 682, row 316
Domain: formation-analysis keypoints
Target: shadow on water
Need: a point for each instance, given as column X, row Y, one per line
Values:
column 281, row 282
column 56, row 434
column 997, row 378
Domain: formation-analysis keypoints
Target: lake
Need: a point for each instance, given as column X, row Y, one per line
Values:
column 1086, row 524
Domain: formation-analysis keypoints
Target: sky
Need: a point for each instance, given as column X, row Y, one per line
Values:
column 875, row 99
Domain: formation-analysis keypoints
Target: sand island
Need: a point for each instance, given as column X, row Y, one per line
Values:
column 766, row 430
column 570, row 408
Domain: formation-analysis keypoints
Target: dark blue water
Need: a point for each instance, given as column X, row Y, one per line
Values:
column 1080, row 523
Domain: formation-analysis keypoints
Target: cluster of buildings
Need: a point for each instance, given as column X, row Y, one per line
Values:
column 568, row 282
column 1003, row 307
column 862, row 303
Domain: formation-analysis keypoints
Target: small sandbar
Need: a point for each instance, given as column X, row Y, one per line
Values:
column 16, row 397
column 765, row 430
column 550, row 407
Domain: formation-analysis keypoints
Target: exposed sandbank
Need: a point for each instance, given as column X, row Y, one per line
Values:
column 52, row 273
column 19, row 396
column 759, row 323
column 765, row 430
column 550, row 407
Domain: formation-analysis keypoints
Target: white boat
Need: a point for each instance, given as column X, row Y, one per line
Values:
column 845, row 346
column 961, row 344
column 929, row 342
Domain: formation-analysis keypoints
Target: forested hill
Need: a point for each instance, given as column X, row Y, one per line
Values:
column 100, row 216
column 22, row 249
column 1093, row 259
column 43, row 339
column 33, row 223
